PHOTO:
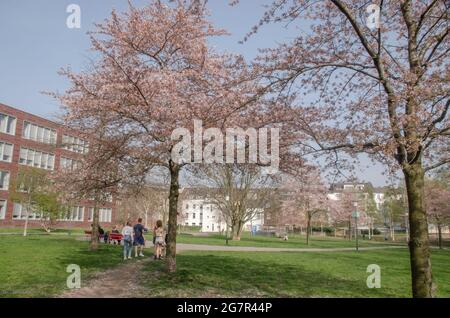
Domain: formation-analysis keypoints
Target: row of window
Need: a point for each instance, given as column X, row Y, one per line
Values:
column 74, row 144
column 35, row 158
column 194, row 206
column 42, row 134
column 201, row 216
column 76, row 213
column 38, row 133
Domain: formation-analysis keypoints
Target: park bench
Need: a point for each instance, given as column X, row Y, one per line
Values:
column 115, row 237
column 89, row 233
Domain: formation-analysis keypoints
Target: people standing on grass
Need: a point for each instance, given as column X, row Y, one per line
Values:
column 159, row 239
column 139, row 240
column 127, row 233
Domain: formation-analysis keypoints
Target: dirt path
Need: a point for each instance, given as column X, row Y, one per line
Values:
column 122, row 281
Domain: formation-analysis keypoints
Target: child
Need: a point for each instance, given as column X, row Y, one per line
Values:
column 127, row 233
column 159, row 239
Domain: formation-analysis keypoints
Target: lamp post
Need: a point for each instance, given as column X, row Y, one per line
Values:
column 356, row 216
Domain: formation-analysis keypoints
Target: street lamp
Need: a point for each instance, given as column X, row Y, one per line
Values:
column 355, row 214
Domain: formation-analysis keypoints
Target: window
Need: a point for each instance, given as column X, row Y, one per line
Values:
column 20, row 213
column 2, row 209
column 193, row 215
column 193, row 224
column 38, row 133
column 68, row 164
column 35, row 158
column 74, row 144
column 105, row 215
column 187, row 215
column 90, row 214
column 187, row 206
column 194, row 206
column 76, row 213
column 4, row 180
column 7, row 124
column 6, row 151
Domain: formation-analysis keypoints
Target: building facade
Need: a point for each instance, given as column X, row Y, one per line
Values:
column 29, row 140
column 199, row 211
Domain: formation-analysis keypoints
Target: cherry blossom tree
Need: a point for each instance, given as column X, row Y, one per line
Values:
column 437, row 196
column 155, row 73
column 307, row 197
column 377, row 82
column 105, row 172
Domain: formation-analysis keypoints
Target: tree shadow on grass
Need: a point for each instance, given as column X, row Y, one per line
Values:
column 213, row 275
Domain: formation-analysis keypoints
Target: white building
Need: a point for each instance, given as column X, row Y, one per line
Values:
column 205, row 214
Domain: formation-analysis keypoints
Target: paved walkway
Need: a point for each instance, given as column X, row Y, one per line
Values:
column 202, row 247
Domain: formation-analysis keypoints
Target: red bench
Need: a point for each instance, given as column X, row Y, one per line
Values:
column 115, row 237
column 89, row 233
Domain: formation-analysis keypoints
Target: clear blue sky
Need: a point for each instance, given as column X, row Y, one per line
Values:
column 35, row 43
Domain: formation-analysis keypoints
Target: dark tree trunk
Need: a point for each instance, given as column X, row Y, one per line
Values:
column 171, row 252
column 94, row 232
column 350, row 229
column 439, row 235
column 308, row 228
column 419, row 245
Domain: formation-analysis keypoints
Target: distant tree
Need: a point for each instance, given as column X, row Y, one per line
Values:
column 393, row 209
column 240, row 192
column 437, row 202
column 371, row 210
column 35, row 191
column 307, row 198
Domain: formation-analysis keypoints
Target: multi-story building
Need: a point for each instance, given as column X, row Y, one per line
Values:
column 200, row 211
column 29, row 140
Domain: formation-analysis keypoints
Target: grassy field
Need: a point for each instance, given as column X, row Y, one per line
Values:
column 35, row 266
column 343, row 274
column 296, row 241
column 36, row 231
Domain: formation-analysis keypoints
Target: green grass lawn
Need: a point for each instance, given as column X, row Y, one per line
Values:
column 239, row 274
column 35, row 266
column 35, row 231
column 296, row 241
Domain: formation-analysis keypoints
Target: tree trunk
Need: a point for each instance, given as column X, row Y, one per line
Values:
column 171, row 250
column 439, row 235
column 237, row 228
column 308, row 229
column 93, row 246
column 392, row 231
column 349, row 229
column 25, row 227
column 419, row 245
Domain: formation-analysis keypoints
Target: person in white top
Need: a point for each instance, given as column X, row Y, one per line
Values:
column 127, row 233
